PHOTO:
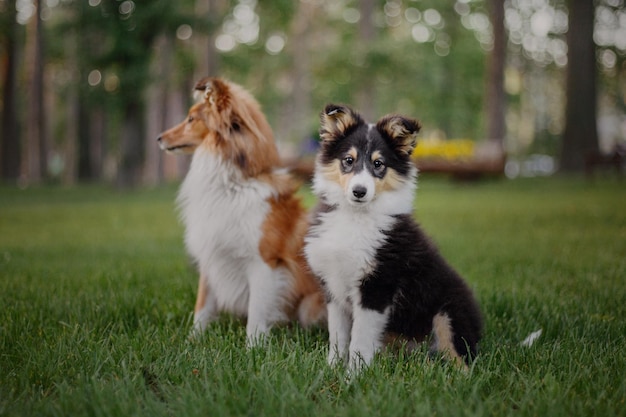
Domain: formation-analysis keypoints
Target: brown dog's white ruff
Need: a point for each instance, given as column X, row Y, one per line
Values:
column 244, row 225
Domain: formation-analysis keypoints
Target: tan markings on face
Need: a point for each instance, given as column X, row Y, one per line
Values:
column 188, row 135
column 353, row 153
column 345, row 178
column 332, row 172
column 444, row 338
column 391, row 181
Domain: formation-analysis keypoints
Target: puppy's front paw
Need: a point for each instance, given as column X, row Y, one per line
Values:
column 334, row 357
column 356, row 364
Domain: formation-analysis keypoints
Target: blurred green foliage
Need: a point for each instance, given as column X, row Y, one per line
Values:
column 423, row 58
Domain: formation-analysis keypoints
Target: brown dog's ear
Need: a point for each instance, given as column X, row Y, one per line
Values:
column 337, row 121
column 401, row 131
column 203, row 88
column 210, row 89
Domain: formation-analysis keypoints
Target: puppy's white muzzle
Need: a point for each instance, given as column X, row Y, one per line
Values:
column 361, row 189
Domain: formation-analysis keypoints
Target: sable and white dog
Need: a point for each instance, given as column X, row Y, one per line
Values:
column 244, row 225
column 384, row 279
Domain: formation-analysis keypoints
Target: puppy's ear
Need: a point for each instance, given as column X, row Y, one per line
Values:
column 337, row 121
column 401, row 132
column 210, row 90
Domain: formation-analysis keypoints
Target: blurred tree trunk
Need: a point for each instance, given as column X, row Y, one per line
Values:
column 87, row 169
column 34, row 166
column 131, row 145
column 495, row 97
column 70, row 148
column 157, row 109
column 294, row 126
column 581, row 134
column 367, row 34
column 92, row 130
column 78, row 117
column 209, row 63
column 10, row 139
column 84, row 123
column 447, row 88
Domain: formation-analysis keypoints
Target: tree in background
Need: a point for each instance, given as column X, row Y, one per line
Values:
column 35, row 155
column 581, row 134
column 495, row 97
column 175, row 67
column 114, row 70
column 213, row 12
column 129, row 66
column 78, row 70
column 10, row 144
column 291, row 122
column 133, row 29
column 367, row 35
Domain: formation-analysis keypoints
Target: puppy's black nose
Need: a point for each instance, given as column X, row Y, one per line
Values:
column 359, row 191
column 159, row 139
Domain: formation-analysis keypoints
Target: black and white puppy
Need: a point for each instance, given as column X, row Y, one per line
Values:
column 384, row 279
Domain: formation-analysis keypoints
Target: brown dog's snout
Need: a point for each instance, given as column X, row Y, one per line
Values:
column 160, row 143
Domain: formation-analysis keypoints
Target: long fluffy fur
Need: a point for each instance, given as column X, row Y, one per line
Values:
column 384, row 279
column 244, row 226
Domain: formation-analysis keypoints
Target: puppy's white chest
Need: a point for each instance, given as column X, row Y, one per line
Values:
column 341, row 250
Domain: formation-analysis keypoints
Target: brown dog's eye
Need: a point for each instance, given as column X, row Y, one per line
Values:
column 235, row 126
column 190, row 119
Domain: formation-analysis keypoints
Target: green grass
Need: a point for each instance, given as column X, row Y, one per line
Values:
column 96, row 293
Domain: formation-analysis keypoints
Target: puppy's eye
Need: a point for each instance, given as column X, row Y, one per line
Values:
column 378, row 164
column 236, row 126
column 190, row 119
column 348, row 160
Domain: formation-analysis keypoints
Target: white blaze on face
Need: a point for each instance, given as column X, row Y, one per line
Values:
column 361, row 188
